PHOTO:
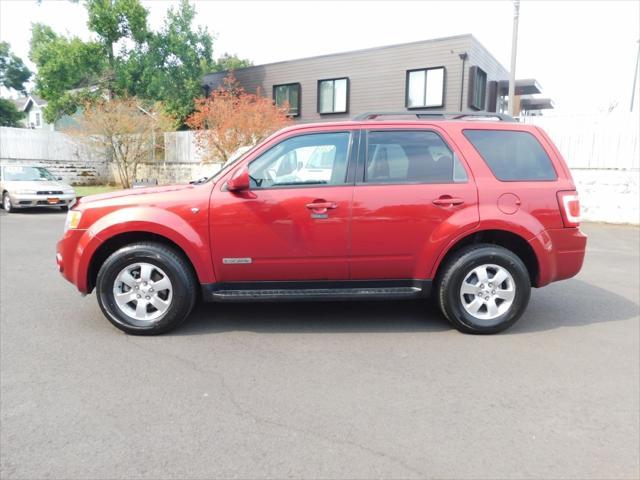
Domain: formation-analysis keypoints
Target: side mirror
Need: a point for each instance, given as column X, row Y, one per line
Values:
column 239, row 182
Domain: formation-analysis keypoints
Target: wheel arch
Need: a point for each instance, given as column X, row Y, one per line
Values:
column 114, row 243
column 126, row 225
column 506, row 239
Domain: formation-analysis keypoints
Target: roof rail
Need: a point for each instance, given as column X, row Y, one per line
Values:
column 437, row 115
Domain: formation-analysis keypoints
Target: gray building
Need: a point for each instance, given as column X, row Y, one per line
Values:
column 453, row 74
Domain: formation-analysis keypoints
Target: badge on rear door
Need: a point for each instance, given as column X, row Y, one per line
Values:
column 234, row 261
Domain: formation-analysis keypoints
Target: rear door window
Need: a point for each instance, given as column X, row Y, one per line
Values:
column 512, row 155
column 395, row 156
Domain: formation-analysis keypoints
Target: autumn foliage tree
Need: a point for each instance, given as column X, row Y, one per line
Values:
column 231, row 118
column 125, row 130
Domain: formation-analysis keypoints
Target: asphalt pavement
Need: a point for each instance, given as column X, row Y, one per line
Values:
column 318, row 390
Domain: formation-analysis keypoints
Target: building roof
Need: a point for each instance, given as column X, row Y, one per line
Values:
column 19, row 102
column 22, row 103
column 350, row 52
column 529, row 102
column 525, row 86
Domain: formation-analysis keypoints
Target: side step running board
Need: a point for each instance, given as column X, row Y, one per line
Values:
column 232, row 293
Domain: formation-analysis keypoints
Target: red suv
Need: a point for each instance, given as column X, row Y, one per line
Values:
column 473, row 211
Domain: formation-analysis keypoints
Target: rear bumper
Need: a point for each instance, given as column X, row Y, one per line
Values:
column 560, row 254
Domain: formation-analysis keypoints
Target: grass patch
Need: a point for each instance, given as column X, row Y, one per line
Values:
column 84, row 190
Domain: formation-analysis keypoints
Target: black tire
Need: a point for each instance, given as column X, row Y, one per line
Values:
column 458, row 267
column 6, row 201
column 64, row 208
column 175, row 266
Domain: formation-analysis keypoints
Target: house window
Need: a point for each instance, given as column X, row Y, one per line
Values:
column 477, row 88
column 290, row 94
column 333, row 95
column 37, row 119
column 425, row 88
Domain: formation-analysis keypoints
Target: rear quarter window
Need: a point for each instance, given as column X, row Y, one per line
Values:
column 512, row 155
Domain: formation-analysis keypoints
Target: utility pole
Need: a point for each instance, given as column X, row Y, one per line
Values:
column 514, row 50
column 635, row 79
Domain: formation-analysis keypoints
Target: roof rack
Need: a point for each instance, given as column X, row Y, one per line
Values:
column 437, row 115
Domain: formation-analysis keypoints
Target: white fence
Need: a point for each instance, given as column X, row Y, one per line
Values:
column 56, row 151
column 27, row 144
column 595, row 142
column 45, row 145
column 77, row 164
column 604, row 155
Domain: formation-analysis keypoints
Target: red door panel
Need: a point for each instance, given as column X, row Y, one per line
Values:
column 285, row 234
column 397, row 229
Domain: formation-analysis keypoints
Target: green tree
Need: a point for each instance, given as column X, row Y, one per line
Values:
column 171, row 68
column 126, row 59
column 112, row 21
column 9, row 114
column 69, row 70
column 231, row 62
column 13, row 72
column 13, row 76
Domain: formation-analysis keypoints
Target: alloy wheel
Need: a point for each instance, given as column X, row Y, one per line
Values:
column 143, row 292
column 487, row 291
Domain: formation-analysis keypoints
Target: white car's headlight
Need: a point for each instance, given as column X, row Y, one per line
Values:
column 73, row 220
column 26, row 192
column 69, row 192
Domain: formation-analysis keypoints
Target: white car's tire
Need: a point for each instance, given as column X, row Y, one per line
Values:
column 6, row 203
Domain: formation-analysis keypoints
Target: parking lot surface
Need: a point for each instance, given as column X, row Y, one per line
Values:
column 320, row 390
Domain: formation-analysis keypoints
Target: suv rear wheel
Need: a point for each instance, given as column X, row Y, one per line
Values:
column 146, row 289
column 483, row 289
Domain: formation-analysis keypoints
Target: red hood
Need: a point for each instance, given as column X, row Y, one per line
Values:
column 132, row 192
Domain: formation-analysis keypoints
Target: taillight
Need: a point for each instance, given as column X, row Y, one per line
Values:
column 570, row 207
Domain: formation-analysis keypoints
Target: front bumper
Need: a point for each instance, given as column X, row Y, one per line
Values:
column 24, row 200
column 68, row 258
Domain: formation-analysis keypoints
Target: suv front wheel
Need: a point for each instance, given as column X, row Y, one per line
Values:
column 146, row 289
column 484, row 288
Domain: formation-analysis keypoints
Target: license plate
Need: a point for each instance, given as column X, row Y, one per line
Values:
column 53, row 200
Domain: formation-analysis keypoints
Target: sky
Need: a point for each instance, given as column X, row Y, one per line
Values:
column 583, row 53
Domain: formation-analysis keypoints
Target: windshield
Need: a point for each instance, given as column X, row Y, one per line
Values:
column 18, row 173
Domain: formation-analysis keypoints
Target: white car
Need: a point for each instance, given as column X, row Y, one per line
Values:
column 24, row 186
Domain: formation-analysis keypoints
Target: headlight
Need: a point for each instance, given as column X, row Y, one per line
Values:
column 73, row 220
column 26, row 192
column 69, row 192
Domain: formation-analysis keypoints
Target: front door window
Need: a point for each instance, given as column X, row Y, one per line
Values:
column 315, row 159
